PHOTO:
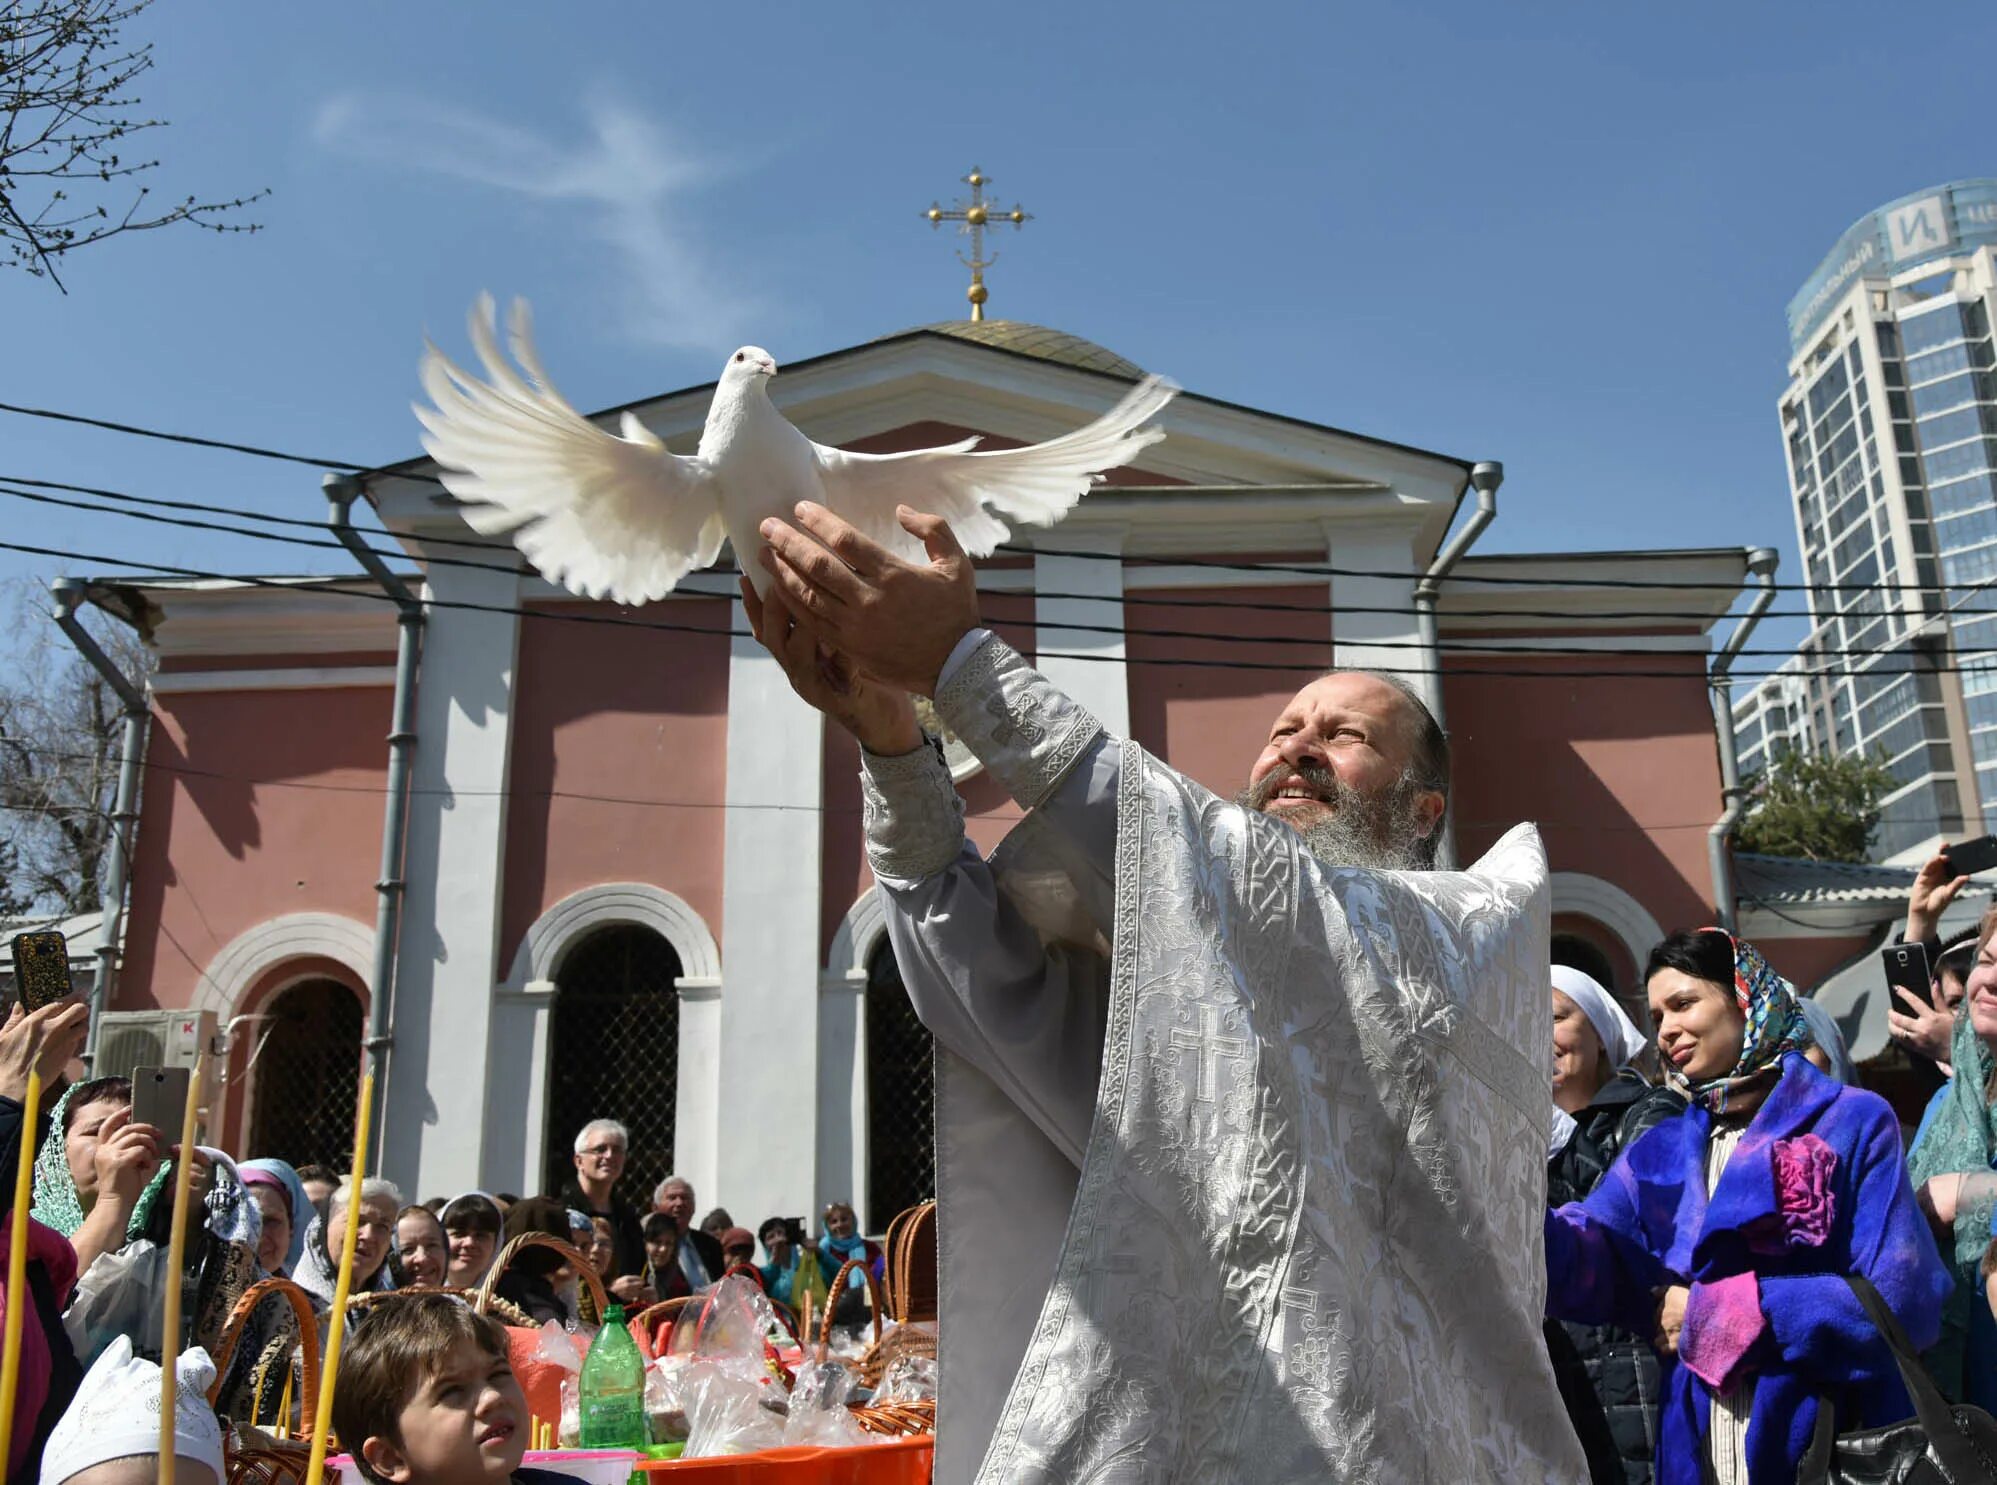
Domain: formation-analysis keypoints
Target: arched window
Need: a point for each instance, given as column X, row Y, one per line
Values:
column 308, row 1071
column 614, row 1053
column 901, row 1097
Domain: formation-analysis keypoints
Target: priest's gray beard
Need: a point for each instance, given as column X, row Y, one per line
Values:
column 1379, row 832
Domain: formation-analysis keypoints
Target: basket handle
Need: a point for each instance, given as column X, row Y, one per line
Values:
column 591, row 1303
column 308, row 1342
column 832, row 1296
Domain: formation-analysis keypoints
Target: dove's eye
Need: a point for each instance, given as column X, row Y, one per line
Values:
column 738, row 355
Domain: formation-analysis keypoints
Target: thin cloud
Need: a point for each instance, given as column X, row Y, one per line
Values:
column 624, row 176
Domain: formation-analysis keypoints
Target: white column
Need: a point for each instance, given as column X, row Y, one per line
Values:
column 1356, row 637
column 842, row 1095
column 440, row 1097
column 697, row 1104
column 768, row 1141
column 1100, row 684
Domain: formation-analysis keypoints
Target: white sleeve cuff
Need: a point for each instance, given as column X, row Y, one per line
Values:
column 961, row 652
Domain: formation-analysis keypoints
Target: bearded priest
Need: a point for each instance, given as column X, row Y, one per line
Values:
column 1242, row 1113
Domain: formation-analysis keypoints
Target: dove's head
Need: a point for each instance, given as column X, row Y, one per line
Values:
column 747, row 364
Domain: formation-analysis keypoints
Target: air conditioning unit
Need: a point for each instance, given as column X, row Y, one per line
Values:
column 134, row 1039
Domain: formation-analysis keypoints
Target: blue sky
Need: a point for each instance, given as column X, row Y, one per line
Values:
column 1560, row 235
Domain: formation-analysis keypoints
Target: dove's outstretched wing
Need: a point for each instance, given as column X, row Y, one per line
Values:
column 598, row 514
column 972, row 490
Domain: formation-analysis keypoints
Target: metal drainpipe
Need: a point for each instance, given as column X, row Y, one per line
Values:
column 1762, row 562
column 68, row 593
column 341, row 492
column 1485, row 477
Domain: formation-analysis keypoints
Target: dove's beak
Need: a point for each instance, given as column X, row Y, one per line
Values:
column 768, row 368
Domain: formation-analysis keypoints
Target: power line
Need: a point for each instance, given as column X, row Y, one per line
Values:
column 1307, row 570
column 1553, row 654
column 1128, row 598
column 328, row 543
column 186, row 438
column 1485, row 645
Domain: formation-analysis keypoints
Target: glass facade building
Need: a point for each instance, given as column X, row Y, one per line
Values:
column 1890, row 427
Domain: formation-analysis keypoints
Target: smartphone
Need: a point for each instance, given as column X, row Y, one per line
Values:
column 1907, row 969
column 159, row 1098
column 41, row 969
column 1972, row 856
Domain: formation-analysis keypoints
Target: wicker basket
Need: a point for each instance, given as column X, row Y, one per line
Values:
column 591, row 1300
column 308, row 1342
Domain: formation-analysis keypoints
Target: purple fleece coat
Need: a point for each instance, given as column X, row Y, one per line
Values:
column 1816, row 1189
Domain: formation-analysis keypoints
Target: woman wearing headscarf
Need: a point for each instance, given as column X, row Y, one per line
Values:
column 840, row 1242
column 99, row 1181
column 286, row 1211
column 1730, row 1229
column 1609, row 1376
column 267, row 1349
column 1952, row 1161
column 373, row 1209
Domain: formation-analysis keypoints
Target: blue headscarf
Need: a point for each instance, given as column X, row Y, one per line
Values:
column 302, row 1210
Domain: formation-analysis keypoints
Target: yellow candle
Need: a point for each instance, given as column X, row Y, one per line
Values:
column 284, row 1408
column 315, row 1474
column 176, row 1263
column 17, row 1267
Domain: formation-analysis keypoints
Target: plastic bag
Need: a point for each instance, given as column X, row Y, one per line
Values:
column 818, row 1413
column 568, row 1434
column 557, row 1347
column 120, row 1295
column 728, row 1411
column 665, row 1419
column 909, row 1379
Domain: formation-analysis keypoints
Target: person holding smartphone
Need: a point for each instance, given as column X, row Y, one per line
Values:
column 1923, row 1025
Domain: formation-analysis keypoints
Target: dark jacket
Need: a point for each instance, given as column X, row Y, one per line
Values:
column 626, row 1230
column 1608, row 1377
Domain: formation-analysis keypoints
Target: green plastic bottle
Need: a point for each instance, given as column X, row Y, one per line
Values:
column 611, row 1391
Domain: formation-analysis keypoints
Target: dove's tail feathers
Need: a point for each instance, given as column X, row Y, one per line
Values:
column 601, row 515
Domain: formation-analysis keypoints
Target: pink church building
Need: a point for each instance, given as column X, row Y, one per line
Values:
column 634, row 878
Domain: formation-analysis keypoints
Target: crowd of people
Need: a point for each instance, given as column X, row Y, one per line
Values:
column 99, row 1262
column 1715, row 1184
column 1708, row 1229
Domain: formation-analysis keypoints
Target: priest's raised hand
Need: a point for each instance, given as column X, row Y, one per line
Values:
column 881, row 718
column 896, row 621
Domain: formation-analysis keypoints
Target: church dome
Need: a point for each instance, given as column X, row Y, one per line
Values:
column 1039, row 341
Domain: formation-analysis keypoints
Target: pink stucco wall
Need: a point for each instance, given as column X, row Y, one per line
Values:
column 227, row 841
column 1621, row 774
column 619, row 762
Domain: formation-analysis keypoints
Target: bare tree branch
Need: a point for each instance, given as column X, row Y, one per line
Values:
column 65, row 120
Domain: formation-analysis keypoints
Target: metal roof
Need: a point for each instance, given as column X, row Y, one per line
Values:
column 1035, row 340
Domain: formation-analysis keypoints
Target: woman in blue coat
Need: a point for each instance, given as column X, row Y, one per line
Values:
column 1728, row 1231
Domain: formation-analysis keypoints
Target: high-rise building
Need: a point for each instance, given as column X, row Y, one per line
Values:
column 1890, row 424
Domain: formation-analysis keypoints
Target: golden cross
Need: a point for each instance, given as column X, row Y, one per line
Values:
column 976, row 215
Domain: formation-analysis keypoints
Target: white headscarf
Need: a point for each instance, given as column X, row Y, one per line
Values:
column 116, row 1415
column 1620, row 1038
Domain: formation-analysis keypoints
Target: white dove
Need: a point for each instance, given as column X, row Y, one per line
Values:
column 625, row 518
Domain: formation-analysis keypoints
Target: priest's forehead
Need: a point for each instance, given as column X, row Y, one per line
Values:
column 1355, row 693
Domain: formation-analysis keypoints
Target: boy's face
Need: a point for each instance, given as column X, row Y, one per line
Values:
column 466, row 1424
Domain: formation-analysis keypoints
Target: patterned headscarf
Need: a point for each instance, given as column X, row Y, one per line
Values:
column 1775, row 1025
column 58, row 1204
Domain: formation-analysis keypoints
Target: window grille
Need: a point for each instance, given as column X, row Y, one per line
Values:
column 901, row 1098
column 614, row 1054
column 307, row 1075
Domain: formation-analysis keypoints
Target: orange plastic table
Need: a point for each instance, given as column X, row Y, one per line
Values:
column 895, row 1462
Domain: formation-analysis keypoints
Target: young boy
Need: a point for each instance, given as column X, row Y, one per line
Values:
column 426, row 1397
